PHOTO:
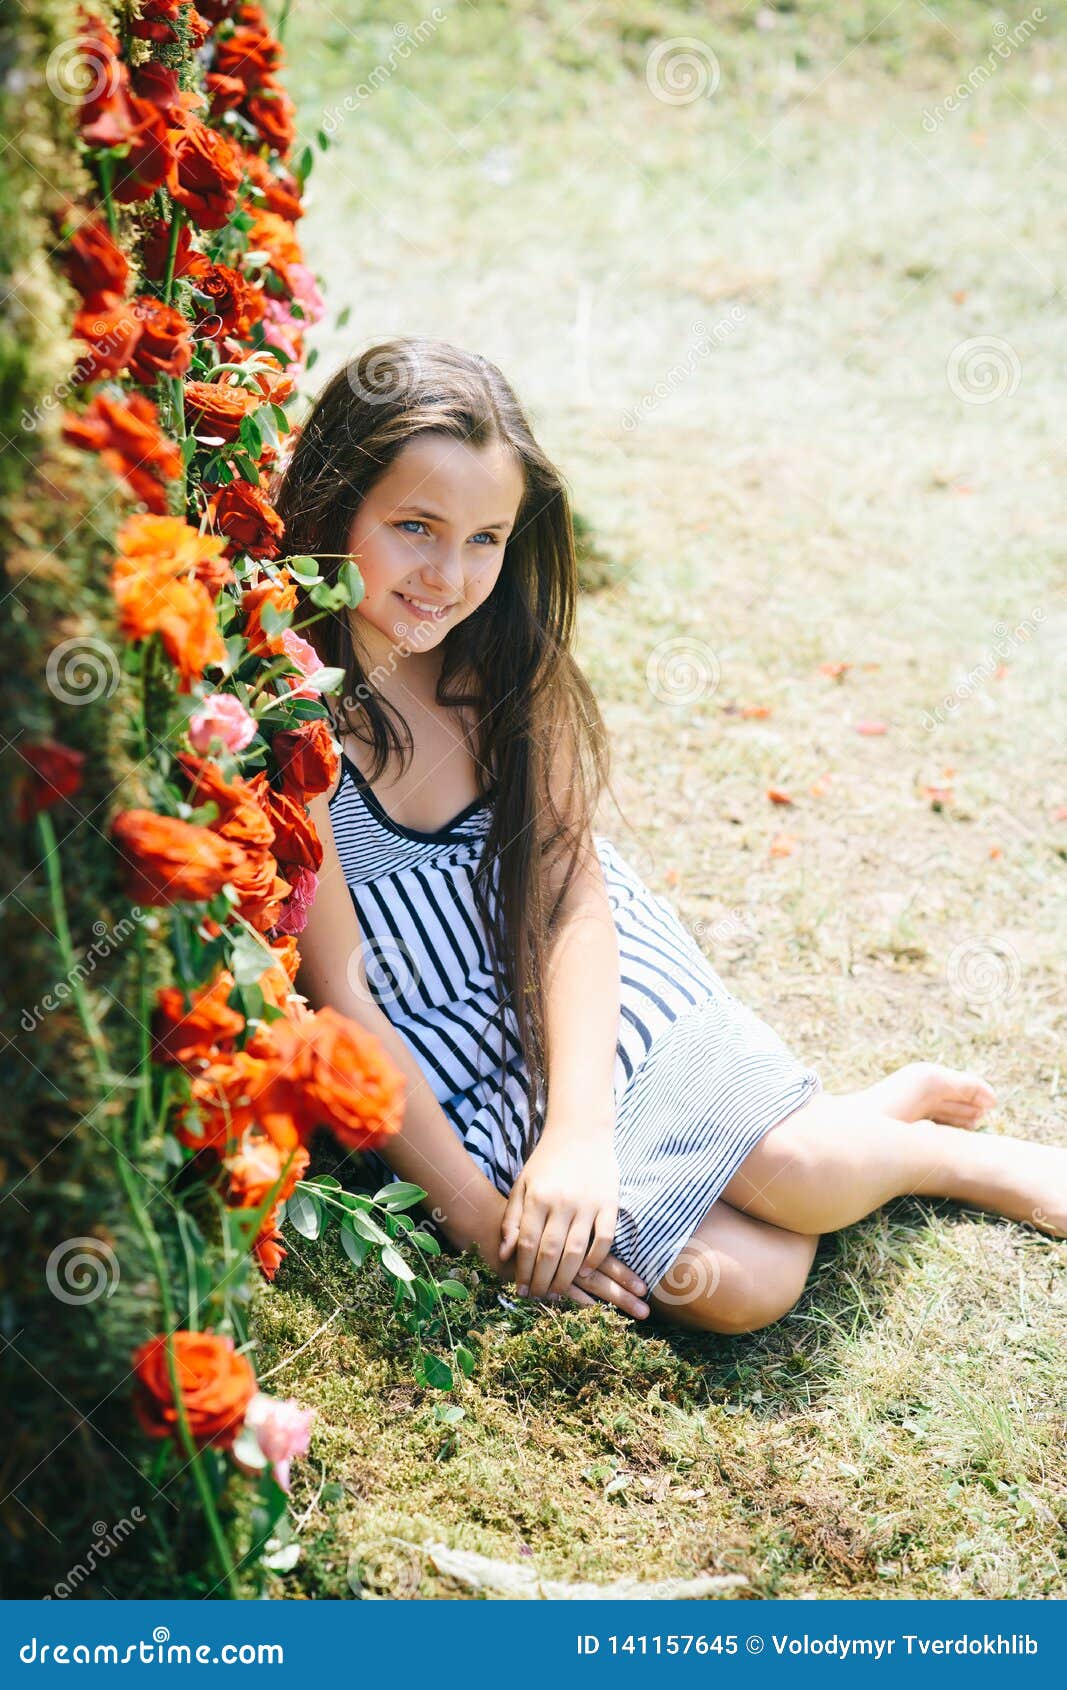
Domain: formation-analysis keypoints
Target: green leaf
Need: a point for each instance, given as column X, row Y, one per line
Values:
column 354, row 1247
column 303, row 564
column 465, row 1360
column 433, row 1372
column 344, row 316
column 450, row 1413
column 251, row 435
column 394, row 1263
column 272, row 620
column 364, row 1227
column 305, row 1212
column 454, row 1289
column 349, row 578
column 426, row 1242
column 400, row 1194
column 247, row 467
column 281, row 418
column 249, row 960
column 302, row 167
column 326, row 1182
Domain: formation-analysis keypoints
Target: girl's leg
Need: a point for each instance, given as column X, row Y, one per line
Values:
column 838, row 1158
column 735, row 1274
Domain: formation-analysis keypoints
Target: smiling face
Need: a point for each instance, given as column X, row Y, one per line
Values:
column 429, row 539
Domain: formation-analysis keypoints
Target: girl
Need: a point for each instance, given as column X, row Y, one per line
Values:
column 588, row 1105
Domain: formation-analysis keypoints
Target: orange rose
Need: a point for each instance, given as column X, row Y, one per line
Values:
column 282, row 595
column 269, row 1250
column 307, row 758
column 275, row 234
column 192, row 1033
column 232, row 1095
column 156, row 588
column 256, row 1168
column 280, row 190
column 331, row 1073
column 168, row 861
column 243, row 821
column 215, row 1386
column 128, row 438
column 215, row 410
column 252, row 1175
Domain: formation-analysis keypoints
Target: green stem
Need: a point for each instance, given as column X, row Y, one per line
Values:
column 107, row 166
column 172, row 251
column 66, row 947
column 129, row 1180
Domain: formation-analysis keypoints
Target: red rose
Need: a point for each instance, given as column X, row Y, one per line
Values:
column 272, row 114
column 111, row 330
column 230, row 304
column 95, row 264
column 166, row 345
column 307, row 758
column 55, row 772
column 280, row 189
column 296, row 842
column 216, row 410
column 251, row 53
column 244, row 514
column 207, row 175
column 224, row 92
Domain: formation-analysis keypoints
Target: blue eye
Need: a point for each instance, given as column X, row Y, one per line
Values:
column 492, row 538
column 411, row 522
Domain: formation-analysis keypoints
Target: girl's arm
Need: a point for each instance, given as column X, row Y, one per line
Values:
column 427, row 1150
column 568, row 1191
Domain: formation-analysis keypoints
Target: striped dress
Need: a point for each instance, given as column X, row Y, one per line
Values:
column 698, row 1076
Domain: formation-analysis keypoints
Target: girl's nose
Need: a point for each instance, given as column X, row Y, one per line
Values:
column 445, row 570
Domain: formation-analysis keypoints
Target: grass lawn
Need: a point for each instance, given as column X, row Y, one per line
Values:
column 797, row 344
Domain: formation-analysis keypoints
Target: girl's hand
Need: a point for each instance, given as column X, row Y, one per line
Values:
column 566, row 1195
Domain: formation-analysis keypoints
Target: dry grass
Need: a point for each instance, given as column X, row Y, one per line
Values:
column 808, row 490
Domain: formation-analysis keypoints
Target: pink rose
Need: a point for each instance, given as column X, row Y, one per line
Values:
column 297, row 906
column 282, row 1430
column 282, row 330
column 304, row 657
column 305, row 291
column 222, row 717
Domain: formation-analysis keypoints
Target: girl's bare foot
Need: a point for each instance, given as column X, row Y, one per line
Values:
column 926, row 1091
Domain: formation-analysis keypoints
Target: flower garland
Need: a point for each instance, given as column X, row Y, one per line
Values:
column 194, row 301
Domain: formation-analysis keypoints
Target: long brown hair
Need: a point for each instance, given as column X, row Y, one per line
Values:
column 510, row 658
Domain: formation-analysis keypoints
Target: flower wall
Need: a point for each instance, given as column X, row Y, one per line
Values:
column 170, row 732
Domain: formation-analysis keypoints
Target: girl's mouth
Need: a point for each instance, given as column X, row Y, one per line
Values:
column 423, row 609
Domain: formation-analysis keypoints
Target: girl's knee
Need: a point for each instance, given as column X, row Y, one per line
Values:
column 713, row 1291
